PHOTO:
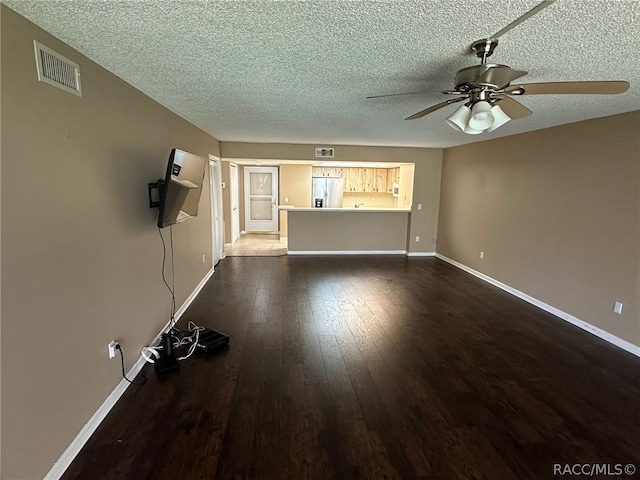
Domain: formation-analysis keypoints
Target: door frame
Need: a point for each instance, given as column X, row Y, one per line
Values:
column 217, row 207
column 248, row 170
column 235, row 200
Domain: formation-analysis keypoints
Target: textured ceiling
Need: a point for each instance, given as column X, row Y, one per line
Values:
column 299, row 71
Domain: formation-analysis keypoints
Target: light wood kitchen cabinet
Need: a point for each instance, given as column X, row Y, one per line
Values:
column 353, row 180
column 361, row 180
column 368, row 179
column 393, row 176
column 325, row 171
column 381, row 180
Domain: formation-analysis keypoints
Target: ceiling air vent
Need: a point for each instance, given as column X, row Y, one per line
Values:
column 57, row 70
column 324, row 152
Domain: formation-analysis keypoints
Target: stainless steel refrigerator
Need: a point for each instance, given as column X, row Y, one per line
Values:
column 327, row 192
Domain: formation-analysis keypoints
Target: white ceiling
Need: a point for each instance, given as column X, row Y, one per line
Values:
column 299, row 71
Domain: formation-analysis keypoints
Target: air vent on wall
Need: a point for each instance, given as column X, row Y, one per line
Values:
column 57, row 70
column 324, row 152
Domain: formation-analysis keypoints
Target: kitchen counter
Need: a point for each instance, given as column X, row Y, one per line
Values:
column 346, row 209
column 363, row 230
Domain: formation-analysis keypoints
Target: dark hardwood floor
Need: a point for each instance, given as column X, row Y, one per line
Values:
column 373, row 368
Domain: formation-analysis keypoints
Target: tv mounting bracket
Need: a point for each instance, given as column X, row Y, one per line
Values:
column 155, row 187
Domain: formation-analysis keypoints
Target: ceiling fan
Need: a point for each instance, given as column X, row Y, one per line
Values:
column 488, row 93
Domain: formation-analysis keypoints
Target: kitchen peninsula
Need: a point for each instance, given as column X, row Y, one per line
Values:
column 347, row 230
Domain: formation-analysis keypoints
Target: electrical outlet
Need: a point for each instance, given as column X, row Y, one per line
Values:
column 481, row 255
column 617, row 307
column 417, row 238
column 204, row 258
column 286, row 199
column 113, row 346
column 419, row 206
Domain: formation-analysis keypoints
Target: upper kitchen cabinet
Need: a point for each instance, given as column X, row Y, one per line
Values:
column 381, row 180
column 353, row 179
column 374, row 180
column 365, row 180
column 326, row 172
column 362, row 179
column 369, row 179
column 393, row 176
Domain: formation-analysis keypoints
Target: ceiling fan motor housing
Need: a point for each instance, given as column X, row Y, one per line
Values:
column 467, row 78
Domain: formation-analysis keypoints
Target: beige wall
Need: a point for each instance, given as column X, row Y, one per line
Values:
column 426, row 187
column 295, row 185
column 405, row 186
column 81, row 255
column 426, row 194
column 557, row 214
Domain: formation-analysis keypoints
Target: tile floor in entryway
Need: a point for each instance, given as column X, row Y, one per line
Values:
column 257, row 245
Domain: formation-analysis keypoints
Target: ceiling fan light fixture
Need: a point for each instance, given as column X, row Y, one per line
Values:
column 472, row 131
column 458, row 120
column 499, row 118
column 481, row 116
column 483, row 86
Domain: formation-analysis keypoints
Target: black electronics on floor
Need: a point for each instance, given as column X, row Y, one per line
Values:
column 167, row 364
column 211, row 341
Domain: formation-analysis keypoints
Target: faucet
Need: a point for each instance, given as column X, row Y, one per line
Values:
column 358, row 205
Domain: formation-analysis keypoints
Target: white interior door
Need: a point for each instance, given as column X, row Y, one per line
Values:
column 235, row 213
column 217, row 226
column 261, row 199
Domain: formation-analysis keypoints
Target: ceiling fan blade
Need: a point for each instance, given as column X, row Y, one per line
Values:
column 400, row 94
column 576, row 88
column 513, row 108
column 433, row 108
column 521, row 19
column 499, row 76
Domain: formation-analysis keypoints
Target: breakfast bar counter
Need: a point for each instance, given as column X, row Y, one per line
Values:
column 347, row 230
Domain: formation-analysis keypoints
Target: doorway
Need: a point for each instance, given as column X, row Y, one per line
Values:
column 261, row 199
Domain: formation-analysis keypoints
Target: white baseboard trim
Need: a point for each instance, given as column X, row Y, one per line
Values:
column 183, row 308
column 347, row 252
column 192, row 297
column 598, row 332
column 96, row 419
column 63, row 462
column 421, row 254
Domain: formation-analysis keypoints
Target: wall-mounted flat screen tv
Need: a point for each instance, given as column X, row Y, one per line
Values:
column 180, row 191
